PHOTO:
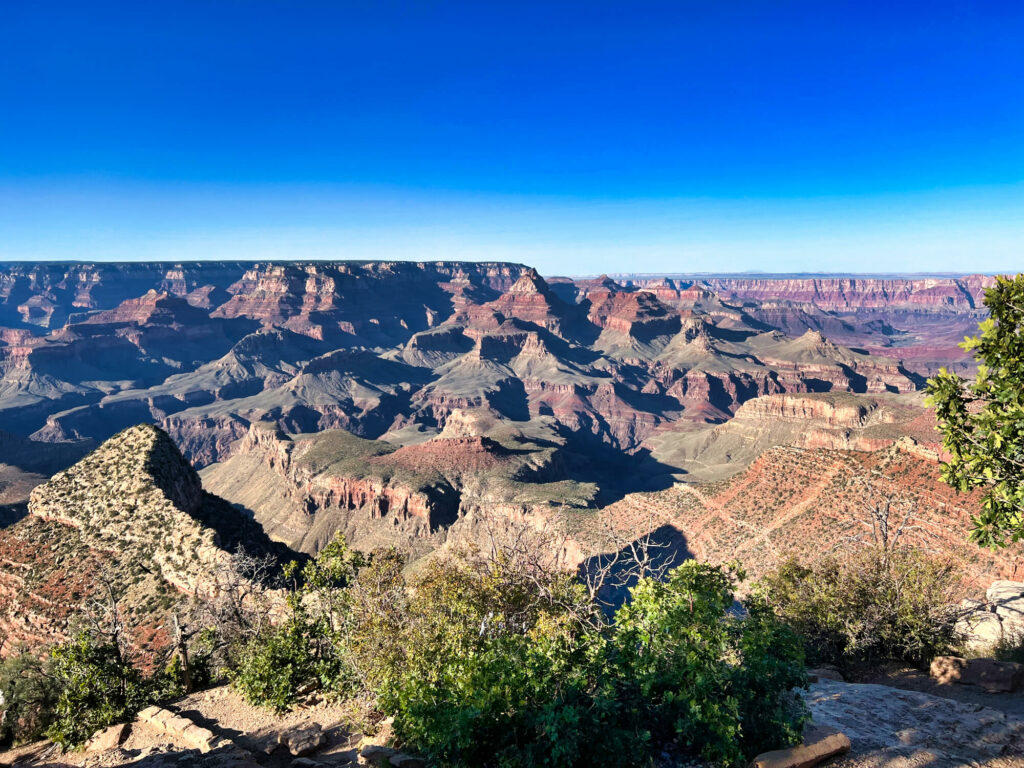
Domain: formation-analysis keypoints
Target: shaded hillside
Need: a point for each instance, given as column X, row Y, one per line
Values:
column 810, row 502
column 131, row 517
column 24, row 464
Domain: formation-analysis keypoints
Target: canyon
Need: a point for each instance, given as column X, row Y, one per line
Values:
column 390, row 349
column 411, row 404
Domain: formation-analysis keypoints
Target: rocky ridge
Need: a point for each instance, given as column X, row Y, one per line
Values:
column 132, row 520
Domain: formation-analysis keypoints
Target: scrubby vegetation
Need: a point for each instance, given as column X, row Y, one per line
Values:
column 507, row 658
column 873, row 604
column 28, row 695
column 81, row 686
column 499, row 660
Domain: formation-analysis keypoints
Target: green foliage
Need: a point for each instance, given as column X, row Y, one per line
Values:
column 499, row 667
column 274, row 665
column 495, row 665
column 306, row 649
column 29, row 695
column 983, row 421
column 503, row 660
column 701, row 674
column 98, row 688
column 874, row 604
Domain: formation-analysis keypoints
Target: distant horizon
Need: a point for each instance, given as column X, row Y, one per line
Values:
column 762, row 274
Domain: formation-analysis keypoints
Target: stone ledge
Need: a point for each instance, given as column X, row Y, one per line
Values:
column 820, row 743
column 180, row 727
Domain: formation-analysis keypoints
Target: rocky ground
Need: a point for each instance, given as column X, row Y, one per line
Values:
column 888, row 727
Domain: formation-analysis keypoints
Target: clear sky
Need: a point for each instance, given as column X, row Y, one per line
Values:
column 579, row 137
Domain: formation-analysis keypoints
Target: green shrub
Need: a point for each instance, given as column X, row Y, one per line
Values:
column 98, row 688
column 273, row 666
column 307, row 649
column 28, row 695
column 695, row 671
column 507, row 660
column 505, row 668
column 874, row 604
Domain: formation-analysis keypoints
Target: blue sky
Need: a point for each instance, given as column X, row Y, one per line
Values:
column 578, row 137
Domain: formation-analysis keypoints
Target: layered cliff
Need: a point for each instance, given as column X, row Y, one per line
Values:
column 919, row 321
column 830, row 421
column 305, row 488
column 387, row 348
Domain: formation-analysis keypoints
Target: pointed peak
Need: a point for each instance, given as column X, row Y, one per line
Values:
column 816, row 338
column 530, row 282
column 129, row 466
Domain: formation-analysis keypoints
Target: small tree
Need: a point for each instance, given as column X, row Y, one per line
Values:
column 305, row 650
column 983, row 421
column 28, row 695
column 98, row 687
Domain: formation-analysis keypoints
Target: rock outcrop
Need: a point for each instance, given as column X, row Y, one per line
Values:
column 888, row 726
column 131, row 520
column 996, row 621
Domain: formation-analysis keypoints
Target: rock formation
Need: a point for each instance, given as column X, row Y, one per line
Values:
column 131, row 520
column 205, row 350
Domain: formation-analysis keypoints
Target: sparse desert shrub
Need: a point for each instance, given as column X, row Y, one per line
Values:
column 873, row 604
column 1010, row 646
column 28, row 695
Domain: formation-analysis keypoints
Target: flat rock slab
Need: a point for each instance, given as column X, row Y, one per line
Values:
column 179, row 727
column 819, row 744
column 888, row 726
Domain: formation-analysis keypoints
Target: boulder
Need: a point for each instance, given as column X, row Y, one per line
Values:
column 1001, row 591
column 981, row 629
column 994, row 676
column 826, row 672
column 819, row 743
column 303, row 740
column 402, row 760
column 107, row 739
column 201, row 738
column 374, row 754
